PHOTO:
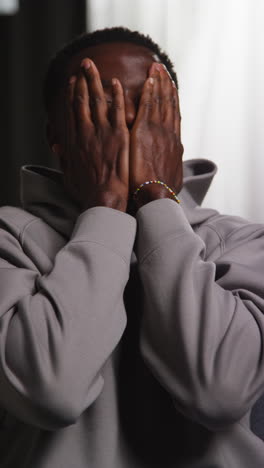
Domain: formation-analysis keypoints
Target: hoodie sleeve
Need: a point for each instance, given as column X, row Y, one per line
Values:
column 202, row 331
column 58, row 330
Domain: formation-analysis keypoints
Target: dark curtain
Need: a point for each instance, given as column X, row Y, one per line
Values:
column 28, row 40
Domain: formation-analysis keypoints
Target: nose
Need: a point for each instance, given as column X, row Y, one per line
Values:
column 130, row 111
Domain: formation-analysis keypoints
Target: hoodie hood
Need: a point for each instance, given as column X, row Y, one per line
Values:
column 43, row 194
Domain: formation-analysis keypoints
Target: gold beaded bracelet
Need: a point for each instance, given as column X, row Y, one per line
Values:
column 157, row 182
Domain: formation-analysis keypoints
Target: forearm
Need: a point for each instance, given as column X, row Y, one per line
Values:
column 194, row 331
column 57, row 336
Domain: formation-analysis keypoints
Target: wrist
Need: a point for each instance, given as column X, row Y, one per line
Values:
column 109, row 200
column 149, row 193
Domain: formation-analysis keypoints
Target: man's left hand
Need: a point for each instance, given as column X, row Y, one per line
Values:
column 155, row 141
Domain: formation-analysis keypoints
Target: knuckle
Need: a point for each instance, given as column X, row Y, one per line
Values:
column 98, row 100
column 147, row 103
column 117, row 105
column 157, row 99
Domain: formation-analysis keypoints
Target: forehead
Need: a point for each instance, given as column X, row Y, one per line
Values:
column 123, row 60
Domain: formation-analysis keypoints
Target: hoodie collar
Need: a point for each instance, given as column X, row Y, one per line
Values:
column 43, row 194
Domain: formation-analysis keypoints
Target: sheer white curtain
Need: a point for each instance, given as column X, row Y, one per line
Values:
column 8, row 7
column 218, row 51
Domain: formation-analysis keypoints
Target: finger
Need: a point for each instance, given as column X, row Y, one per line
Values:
column 98, row 104
column 118, row 119
column 69, row 124
column 177, row 113
column 122, row 164
column 168, row 99
column 145, row 103
column 156, row 97
column 118, row 116
column 69, row 133
column 82, row 111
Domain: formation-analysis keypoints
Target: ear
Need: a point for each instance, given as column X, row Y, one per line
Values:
column 53, row 140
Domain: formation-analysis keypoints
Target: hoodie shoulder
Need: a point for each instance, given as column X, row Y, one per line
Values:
column 15, row 220
column 229, row 232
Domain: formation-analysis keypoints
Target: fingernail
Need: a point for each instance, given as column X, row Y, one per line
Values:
column 114, row 81
column 153, row 67
column 86, row 64
column 158, row 66
column 151, row 80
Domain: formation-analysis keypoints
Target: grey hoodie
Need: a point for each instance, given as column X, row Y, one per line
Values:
column 129, row 343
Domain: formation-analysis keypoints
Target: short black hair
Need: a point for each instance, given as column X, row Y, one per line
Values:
column 56, row 74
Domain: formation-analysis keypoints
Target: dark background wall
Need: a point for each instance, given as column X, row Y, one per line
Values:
column 28, row 39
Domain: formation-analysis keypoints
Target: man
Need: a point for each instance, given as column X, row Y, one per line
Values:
column 131, row 325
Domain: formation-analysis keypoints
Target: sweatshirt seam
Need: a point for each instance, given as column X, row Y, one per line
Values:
column 245, row 428
column 240, row 229
column 102, row 245
column 22, row 233
column 159, row 246
column 10, row 267
column 248, row 430
column 221, row 239
column 11, row 223
column 20, row 230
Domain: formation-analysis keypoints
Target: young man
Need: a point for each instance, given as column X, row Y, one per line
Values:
column 131, row 325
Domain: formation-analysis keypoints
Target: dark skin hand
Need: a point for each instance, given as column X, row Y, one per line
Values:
column 95, row 159
column 118, row 136
column 155, row 140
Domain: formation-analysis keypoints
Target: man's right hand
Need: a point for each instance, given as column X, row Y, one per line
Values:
column 95, row 159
